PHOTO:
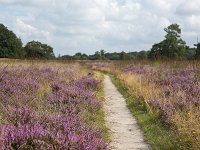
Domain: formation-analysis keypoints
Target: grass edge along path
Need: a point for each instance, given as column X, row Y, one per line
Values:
column 97, row 119
column 156, row 133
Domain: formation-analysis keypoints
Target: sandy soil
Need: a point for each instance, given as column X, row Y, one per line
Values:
column 124, row 130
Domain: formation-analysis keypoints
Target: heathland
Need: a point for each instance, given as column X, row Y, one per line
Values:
column 59, row 104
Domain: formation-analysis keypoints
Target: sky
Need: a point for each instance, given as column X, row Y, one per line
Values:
column 72, row 26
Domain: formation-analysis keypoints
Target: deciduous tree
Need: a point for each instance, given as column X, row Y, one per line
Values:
column 35, row 49
column 10, row 44
column 172, row 46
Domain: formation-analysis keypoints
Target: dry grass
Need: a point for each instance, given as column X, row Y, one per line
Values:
column 140, row 86
column 188, row 126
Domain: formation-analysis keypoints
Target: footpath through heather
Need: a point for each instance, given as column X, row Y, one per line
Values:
column 124, row 130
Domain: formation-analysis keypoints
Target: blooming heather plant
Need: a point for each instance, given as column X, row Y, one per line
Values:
column 101, row 66
column 52, row 121
column 58, row 131
column 75, row 96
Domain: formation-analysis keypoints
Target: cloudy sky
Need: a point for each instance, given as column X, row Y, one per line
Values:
column 86, row 26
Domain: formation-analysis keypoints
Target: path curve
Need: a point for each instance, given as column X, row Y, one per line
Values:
column 124, row 130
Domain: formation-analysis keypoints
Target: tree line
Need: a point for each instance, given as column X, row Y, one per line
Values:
column 102, row 55
column 172, row 47
column 12, row 47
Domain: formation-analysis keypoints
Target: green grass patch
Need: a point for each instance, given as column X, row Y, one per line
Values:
column 159, row 135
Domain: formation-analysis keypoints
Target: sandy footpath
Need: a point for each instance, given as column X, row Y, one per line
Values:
column 125, row 133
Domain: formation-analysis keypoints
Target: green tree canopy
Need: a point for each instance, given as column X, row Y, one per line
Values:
column 197, row 55
column 35, row 49
column 10, row 44
column 80, row 56
column 172, row 46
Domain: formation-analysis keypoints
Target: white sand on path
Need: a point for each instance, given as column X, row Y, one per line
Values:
column 124, row 130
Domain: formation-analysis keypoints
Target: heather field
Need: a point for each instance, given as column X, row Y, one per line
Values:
column 59, row 104
column 48, row 105
column 168, row 91
column 99, row 75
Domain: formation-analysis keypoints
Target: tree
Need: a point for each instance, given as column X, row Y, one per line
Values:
column 172, row 46
column 84, row 56
column 190, row 53
column 156, row 51
column 97, row 55
column 102, row 53
column 197, row 55
column 112, row 56
column 35, row 49
column 122, row 55
column 10, row 44
column 77, row 56
column 142, row 55
column 66, row 57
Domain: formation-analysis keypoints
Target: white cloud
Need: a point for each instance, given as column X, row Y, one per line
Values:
column 89, row 25
column 189, row 7
column 26, row 31
column 31, row 3
column 194, row 21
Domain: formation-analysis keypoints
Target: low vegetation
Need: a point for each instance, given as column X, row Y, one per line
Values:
column 44, row 106
column 165, row 99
